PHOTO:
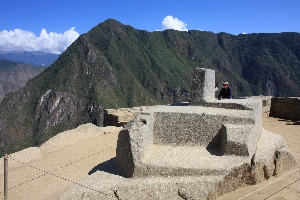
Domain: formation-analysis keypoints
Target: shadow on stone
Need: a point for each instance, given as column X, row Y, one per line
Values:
column 179, row 104
column 216, row 146
column 108, row 166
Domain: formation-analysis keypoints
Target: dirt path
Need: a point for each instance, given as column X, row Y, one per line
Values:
column 47, row 172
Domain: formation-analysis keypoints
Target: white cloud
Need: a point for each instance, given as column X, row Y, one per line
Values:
column 170, row 22
column 21, row 40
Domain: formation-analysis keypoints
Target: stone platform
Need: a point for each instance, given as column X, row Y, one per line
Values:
column 199, row 151
column 189, row 132
column 188, row 161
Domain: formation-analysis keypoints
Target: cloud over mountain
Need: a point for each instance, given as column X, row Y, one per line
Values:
column 170, row 22
column 22, row 40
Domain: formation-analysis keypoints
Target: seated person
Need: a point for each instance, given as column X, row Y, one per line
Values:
column 226, row 92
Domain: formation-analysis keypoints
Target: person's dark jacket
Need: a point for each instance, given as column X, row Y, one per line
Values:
column 225, row 93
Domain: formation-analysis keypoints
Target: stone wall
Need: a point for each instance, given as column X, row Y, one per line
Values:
column 286, row 108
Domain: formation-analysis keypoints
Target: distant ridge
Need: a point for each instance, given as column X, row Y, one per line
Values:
column 29, row 57
column 116, row 65
column 14, row 75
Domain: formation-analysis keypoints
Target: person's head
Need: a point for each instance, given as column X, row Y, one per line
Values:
column 225, row 85
column 216, row 84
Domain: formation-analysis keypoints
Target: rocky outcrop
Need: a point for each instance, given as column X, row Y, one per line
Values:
column 54, row 111
column 57, row 107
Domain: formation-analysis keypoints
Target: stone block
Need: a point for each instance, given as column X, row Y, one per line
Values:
column 203, row 86
column 144, row 144
column 269, row 149
column 198, row 128
column 238, row 140
column 284, row 161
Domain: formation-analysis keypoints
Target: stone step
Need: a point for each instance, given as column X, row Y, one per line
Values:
column 238, row 139
column 185, row 160
column 188, row 187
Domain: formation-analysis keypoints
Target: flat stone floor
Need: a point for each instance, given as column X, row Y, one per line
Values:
column 191, row 158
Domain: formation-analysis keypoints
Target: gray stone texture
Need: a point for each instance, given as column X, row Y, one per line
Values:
column 238, row 140
column 200, row 151
column 271, row 158
column 116, row 187
column 145, row 143
column 226, row 127
column 134, row 141
column 284, row 161
column 203, row 86
column 266, row 102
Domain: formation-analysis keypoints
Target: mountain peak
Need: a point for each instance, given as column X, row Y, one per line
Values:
column 115, row 65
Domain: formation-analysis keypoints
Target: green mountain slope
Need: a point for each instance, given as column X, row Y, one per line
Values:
column 115, row 66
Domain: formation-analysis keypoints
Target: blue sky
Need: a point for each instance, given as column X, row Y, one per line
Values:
column 52, row 25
